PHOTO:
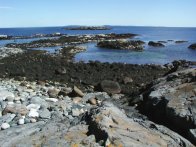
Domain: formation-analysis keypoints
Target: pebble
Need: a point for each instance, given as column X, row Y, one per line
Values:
column 33, row 120
column 76, row 112
column 33, row 113
column 21, row 121
column 4, row 94
column 33, row 106
column 77, row 100
column 5, row 126
column 78, row 91
column 51, row 99
column 92, row 101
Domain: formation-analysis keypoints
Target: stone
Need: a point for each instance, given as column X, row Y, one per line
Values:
column 33, row 106
column 39, row 101
column 77, row 100
column 4, row 94
column 78, row 91
column 53, row 92
column 127, row 80
column 5, row 126
column 92, row 101
column 21, row 121
column 110, row 87
column 76, row 112
column 7, row 118
column 44, row 113
column 33, row 120
column 10, row 99
column 51, row 100
column 65, row 91
column 16, row 108
column 33, row 113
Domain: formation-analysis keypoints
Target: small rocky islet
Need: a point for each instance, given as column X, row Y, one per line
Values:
column 48, row 100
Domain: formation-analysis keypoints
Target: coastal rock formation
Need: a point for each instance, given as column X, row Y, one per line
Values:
column 122, row 45
column 172, row 100
column 155, row 44
column 192, row 46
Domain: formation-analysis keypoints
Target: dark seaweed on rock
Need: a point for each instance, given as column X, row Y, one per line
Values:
column 123, row 45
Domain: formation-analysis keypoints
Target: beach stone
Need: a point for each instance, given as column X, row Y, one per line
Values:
column 44, row 113
column 33, row 106
column 5, row 126
column 192, row 46
column 16, row 108
column 33, row 113
column 77, row 100
column 110, row 87
column 4, row 94
column 53, row 92
column 127, row 80
column 21, row 121
column 7, row 118
column 32, row 120
column 76, row 112
column 10, row 99
column 51, row 99
column 92, row 101
column 78, row 91
column 65, row 91
column 39, row 100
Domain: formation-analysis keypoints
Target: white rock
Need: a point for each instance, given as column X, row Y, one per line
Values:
column 51, row 99
column 21, row 121
column 4, row 94
column 33, row 120
column 33, row 106
column 5, row 126
column 75, row 112
column 33, row 113
column 10, row 103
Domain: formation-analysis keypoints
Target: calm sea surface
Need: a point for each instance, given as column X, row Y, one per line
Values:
column 171, row 52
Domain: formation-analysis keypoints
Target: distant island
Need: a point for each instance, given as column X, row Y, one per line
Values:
column 88, row 28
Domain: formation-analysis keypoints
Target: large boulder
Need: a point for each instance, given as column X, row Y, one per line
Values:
column 172, row 100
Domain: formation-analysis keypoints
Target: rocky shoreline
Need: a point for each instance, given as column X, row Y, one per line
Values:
column 48, row 100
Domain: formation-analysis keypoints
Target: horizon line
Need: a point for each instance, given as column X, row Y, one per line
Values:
column 98, row 25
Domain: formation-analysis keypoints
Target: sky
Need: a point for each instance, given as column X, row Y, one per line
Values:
column 37, row 13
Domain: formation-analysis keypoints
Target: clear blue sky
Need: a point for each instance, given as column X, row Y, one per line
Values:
column 27, row 13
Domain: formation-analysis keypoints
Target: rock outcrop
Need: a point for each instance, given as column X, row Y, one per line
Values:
column 172, row 101
column 122, row 45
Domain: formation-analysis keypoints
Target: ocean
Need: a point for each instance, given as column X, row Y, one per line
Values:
column 150, row 55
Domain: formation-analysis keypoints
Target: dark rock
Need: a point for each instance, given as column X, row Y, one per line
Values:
column 110, row 87
column 192, row 46
column 123, row 45
column 181, row 41
column 155, row 44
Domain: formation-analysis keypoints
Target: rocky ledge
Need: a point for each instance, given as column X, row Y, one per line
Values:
column 122, row 45
column 171, row 101
column 192, row 46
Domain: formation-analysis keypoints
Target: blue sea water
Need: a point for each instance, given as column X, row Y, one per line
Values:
column 171, row 52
